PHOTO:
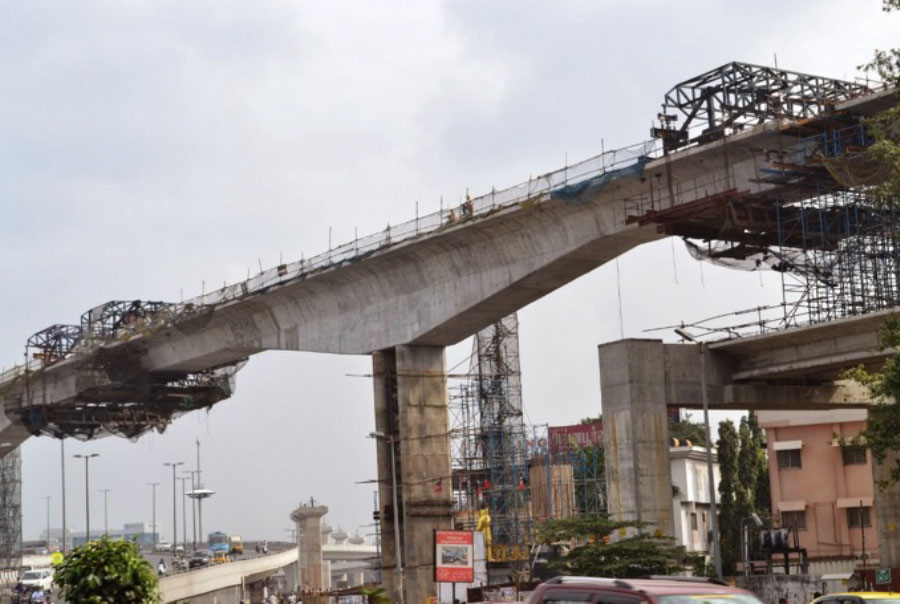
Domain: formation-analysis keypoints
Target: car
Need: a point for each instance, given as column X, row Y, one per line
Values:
column 200, row 558
column 38, row 577
column 655, row 590
column 859, row 597
column 163, row 546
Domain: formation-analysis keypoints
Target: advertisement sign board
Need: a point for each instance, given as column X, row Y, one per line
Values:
column 454, row 556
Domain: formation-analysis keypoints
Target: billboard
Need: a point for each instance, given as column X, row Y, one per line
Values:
column 454, row 556
column 564, row 438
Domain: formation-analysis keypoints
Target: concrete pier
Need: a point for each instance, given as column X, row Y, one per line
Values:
column 308, row 518
column 635, row 435
column 411, row 418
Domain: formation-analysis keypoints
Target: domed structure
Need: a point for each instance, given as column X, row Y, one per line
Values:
column 356, row 539
column 339, row 536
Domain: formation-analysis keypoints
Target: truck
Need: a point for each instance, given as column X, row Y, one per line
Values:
column 219, row 543
column 237, row 545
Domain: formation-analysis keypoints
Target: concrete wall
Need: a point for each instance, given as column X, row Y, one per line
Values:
column 796, row 589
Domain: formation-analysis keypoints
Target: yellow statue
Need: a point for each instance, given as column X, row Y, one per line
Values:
column 484, row 525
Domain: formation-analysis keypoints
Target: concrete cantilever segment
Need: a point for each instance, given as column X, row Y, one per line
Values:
column 411, row 413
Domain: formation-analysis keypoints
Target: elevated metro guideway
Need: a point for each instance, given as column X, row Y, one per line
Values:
column 750, row 142
column 133, row 366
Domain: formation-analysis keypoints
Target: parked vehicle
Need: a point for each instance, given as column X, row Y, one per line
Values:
column 200, row 558
column 237, row 544
column 656, row 590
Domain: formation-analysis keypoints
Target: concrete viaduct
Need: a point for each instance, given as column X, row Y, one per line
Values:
column 431, row 284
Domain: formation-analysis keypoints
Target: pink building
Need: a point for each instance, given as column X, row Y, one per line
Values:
column 822, row 488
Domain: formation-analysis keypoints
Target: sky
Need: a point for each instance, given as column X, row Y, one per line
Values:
column 154, row 150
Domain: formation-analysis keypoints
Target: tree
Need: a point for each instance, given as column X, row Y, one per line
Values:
column 597, row 553
column 882, row 431
column 107, row 572
column 763, row 490
column 727, row 449
column 686, row 430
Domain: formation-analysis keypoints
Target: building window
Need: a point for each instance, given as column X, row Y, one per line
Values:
column 858, row 517
column 853, row 455
column 789, row 459
column 794, row 519
column 694, row 521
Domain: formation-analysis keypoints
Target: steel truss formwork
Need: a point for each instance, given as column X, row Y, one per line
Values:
column 737, row 95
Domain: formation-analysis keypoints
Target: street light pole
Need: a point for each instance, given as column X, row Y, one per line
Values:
column 184, row 510
column 399, row 560
column 155, row 532
column 714, row 519
column 87, row 494
column 105, row 517
column 174, row 503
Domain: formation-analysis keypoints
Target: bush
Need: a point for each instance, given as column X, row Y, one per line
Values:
column 106, row 572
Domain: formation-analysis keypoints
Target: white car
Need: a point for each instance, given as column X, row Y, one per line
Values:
column 38, row 577
column 164, row 546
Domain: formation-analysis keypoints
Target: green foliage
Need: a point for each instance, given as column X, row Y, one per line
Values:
column 375, row 595
column 763, row 492
column 106, row 572
column 591, row 420
column 727, row 449
column 604, row 548
column 743, row 485
column 688, row 430
column 882, row 432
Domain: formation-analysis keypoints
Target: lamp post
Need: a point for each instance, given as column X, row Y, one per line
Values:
column 174, row 465
column 745, row 540
column 155, row 532
column 184, row 509
column 87, row 494
column 105, row 517
column 399, row 560
column 714, row 519
column 47, row 497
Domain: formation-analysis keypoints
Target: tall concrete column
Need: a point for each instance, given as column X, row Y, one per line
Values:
column 308, row 518
column 887, row 513
column 411, row 409
column 635, row 432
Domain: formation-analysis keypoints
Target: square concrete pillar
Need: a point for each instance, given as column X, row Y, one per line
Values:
column 411, row 410
column 636, row 432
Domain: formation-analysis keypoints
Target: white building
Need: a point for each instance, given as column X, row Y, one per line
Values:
column 690, row 501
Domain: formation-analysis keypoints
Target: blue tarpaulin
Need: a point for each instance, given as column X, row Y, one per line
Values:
column 591, row 185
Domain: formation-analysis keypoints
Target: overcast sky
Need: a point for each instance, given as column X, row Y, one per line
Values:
column 150, row 149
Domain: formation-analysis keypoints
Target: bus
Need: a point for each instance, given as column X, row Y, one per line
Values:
column 219, row 542
column 237, row 544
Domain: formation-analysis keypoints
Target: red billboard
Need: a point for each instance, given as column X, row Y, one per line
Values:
column 564, row 438
column 454, row 556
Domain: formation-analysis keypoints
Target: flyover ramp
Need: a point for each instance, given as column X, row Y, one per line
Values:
column 184, row 586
